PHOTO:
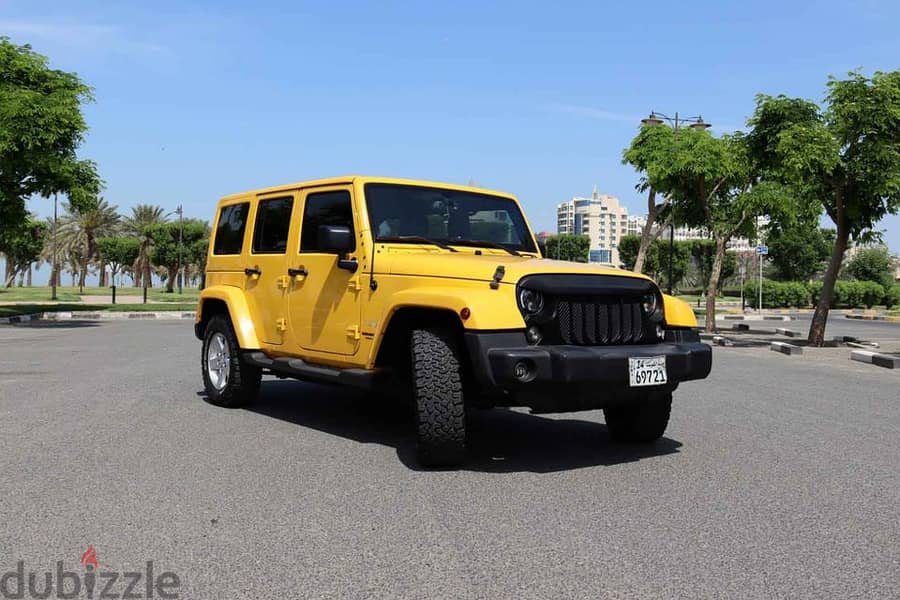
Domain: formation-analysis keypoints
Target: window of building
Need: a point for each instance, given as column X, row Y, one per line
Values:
column 273, row 220
column 325, row 208
column 230, row 229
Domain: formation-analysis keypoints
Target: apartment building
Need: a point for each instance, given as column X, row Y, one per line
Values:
column 600, row 217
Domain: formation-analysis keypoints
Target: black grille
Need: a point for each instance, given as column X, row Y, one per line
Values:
column 596, row 320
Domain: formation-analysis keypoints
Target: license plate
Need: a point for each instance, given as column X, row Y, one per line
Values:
column 650, row 370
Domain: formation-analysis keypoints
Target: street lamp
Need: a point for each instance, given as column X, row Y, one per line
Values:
column 676, row 122
column 180, row 212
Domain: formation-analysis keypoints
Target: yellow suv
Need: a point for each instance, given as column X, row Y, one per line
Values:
column 440, row 292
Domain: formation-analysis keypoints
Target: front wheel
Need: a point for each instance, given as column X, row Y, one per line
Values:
column 438, row 394
column 642, row 422
column 229, row 381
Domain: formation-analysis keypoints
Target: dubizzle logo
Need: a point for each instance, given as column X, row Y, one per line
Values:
column 94, row 583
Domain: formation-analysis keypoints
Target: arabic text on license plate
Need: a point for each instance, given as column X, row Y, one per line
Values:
column 649, row 370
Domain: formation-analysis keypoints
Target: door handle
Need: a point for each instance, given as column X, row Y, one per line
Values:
column 252, row 271
column 348, row 264
column 301, row 272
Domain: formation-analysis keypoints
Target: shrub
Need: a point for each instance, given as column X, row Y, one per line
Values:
column 892, row 296
column 778, row 294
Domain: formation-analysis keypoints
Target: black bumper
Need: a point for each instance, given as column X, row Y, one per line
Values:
column 563, row 375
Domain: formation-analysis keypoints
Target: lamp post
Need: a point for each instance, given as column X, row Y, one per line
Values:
column 54, row 274
column 676, row 122
column 180, row 211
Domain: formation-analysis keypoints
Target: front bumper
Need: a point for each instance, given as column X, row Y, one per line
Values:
column 565, row 376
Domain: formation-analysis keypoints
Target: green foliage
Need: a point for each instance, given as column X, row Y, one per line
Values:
column 656, row 264
column 892, row 296
column 798, row 252
column 872, row 264
column 778, row 294
column 628, row 250
column 854, row 294
column 569, row 247
column 177, row 243
column 22, row 245
column 41, row 126
column 119, row 252
column 703, row 253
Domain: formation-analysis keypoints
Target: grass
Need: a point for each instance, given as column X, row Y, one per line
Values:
column 30, row 309
column 72, row 294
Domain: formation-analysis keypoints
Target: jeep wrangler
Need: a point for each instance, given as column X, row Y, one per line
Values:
column 440, row 292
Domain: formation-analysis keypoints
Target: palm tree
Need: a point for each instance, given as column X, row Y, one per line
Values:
column 79, row 230
column 142, row 215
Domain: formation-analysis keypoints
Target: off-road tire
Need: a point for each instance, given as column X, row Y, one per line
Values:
column 642, row 422
column 438, row 395
column 242, row 384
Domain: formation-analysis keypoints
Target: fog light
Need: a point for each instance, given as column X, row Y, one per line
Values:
column 522, row 370
column 660, row 332
column 533, row 334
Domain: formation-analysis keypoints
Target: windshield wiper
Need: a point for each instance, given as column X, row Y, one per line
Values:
column 486, row 244
column 414, row 239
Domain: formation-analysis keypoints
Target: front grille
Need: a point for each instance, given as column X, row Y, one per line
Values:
column 598, row 320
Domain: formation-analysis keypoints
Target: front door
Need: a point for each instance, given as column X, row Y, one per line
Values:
column 324, row 299
column 266, row 279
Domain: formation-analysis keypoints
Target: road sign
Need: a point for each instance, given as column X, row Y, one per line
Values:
column 762, row 249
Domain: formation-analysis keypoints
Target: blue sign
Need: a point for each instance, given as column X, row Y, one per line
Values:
column 762, row 249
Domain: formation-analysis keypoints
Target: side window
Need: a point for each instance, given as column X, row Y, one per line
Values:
column 325, row 208
column 273, row 220
column 230, row 230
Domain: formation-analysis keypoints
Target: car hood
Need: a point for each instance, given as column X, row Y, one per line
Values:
column 466, row 265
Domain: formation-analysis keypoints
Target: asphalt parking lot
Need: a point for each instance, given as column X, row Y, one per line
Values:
column 778, row 477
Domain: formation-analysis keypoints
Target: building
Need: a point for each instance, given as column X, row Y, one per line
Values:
column 602, row 218
column 636, row 224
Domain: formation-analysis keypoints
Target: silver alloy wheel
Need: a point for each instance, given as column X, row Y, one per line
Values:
column 218, row 361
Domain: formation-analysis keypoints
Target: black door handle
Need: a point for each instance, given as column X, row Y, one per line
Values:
column 295, row 272
column 252, row 271
column 348, row 264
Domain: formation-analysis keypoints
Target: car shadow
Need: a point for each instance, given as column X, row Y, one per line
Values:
column 50, row 324
column 500, row 440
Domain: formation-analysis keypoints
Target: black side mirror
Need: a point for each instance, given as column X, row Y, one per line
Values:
column 335, row 238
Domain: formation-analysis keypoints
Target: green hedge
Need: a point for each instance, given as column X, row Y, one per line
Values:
column 847, row 294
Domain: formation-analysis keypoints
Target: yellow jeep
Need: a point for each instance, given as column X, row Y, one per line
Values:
column 440, row 292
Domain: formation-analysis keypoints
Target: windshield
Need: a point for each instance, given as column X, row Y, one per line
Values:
column 446, row 216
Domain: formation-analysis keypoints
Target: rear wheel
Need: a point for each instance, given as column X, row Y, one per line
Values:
column 438, row 395
column 229, row 381
column 639, row 422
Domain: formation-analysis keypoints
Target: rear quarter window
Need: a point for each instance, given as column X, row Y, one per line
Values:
column 230, row 229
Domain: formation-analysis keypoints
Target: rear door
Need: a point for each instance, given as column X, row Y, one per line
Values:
column 266, row 280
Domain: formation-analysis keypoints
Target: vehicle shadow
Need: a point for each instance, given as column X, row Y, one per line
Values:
column 500, row 440
column 49, row 324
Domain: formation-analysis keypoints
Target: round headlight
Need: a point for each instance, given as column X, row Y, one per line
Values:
column 648, row 302
column 530, row 301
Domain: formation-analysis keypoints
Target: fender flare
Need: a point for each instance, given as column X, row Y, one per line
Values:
column 238, row 311
column 678, row 312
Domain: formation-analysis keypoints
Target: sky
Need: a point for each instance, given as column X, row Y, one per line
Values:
column 195, row 100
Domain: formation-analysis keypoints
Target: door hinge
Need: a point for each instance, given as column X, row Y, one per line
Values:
column 281, row 324
column 284, row 282
column 354, row 284
column 353, row 331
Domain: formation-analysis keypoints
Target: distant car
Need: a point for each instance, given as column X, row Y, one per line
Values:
column 438, row 292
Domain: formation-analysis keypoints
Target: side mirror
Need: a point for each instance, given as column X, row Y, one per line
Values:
column 542, row 246
column 335, row 238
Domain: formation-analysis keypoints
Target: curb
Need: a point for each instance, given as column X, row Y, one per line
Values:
column 785, row 348
column 758, row 317
column 876, row 358
column 873, row 318
column 786, row 332
column 97, row 316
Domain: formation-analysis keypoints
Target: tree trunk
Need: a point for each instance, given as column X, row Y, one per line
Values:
column 820, row 317
column 102, row 279
column 646, row 238
column 170, row 279
column 145, row 268
column 28, row 275
column 713, row 288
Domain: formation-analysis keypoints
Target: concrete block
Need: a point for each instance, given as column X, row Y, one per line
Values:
column 740, row 327
column 876, row 358
column 719, row 340
column 785, row 348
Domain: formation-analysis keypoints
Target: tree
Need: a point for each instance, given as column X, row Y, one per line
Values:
column 651, row 153
column 872, row 264
column 22, row 246
column 566, row 246
column 847, row 157
column 656, row 263
column 703, row 253
column 142, row 216
column 80, row 227
column 798, row 252
column 118, row 252
column 167, row 252
column 41, row 126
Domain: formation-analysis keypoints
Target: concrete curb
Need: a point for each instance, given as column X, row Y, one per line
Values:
column 757, row 318
column 97, row 316
column 873, row 318
column 876, row 358
column 786, row 332
column 785, row 348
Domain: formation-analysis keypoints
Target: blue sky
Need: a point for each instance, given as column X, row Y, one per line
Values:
column 195, row 100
